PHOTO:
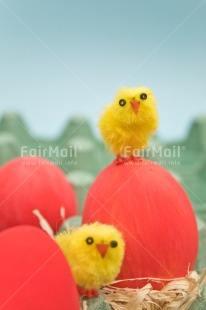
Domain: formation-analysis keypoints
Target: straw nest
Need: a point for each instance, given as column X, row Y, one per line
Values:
column 177, row 294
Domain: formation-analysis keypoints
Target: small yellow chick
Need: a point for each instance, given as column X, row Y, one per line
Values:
column 128, row 123
column 95, row 253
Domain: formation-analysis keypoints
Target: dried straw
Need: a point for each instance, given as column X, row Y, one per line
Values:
column 177, row 294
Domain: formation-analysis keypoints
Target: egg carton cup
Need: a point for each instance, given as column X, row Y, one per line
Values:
column 179, row 293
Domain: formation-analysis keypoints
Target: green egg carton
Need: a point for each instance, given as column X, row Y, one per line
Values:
column 201, row 261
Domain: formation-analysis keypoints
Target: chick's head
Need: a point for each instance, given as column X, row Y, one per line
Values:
column 95, row 253
column 129, row 121
column 135, row 106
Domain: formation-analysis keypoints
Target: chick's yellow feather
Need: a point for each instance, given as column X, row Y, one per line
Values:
column 94, row 253
column 129, row 121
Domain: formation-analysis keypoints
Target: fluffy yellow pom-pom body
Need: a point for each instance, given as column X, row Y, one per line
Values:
column 124, row 130
column 89, row 268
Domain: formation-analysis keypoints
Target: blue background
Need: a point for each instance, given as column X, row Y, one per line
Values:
column 65, row 58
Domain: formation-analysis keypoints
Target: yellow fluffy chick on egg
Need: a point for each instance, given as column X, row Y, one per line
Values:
column 95, row 253
column 129, row 121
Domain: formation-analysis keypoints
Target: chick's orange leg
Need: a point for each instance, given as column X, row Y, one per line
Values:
column 95, row 293
column 92, row 293
column 82, row 291
column 88, row 293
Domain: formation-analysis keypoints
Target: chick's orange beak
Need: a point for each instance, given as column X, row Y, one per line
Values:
column 135, row 105
column 102, row 249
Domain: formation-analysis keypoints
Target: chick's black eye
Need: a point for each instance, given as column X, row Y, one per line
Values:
column 122, row 102
column 89, row 240
column 143, row 96
column 113, row 244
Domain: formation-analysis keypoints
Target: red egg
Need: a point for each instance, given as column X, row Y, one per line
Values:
column 153, row 212
column 29, row 183
column 34, row 272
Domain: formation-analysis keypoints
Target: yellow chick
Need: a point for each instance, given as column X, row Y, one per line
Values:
column 128, row 123
column 95, row 253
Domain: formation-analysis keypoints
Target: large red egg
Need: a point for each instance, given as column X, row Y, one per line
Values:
column 34, row 272
column 153, row 212
column 29, row 183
